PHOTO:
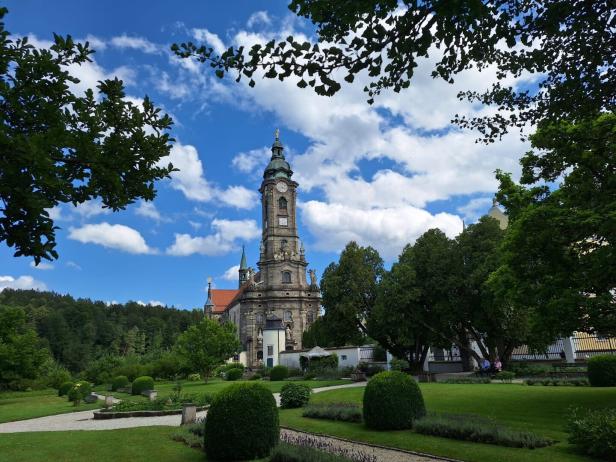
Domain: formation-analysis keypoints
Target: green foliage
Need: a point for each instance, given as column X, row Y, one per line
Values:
column 278, row 373
column 345, row 412
column 120, row 381
column 89, row 336
column 566, row 44
column 173, row 402
column 594, row 432
column 370, row 369
column 349, row 290
column 556, row 382
column 479, row 430
column 255, row 376
column 242, row 423
column 529, row 370
column 318, row 364
column 505, row 376
column 602, row 371
column 560, row 246
column 64, row 388
column 79, row 391
column 399, row 364
column 469, row 379
column 294, row 395
column 206, row 345
column 69, row 148
column 285, row 452
column 194, row 377
column 54, row 374
column 392, row 401
column 22, row 355
column 141, row 384
column 234, row 374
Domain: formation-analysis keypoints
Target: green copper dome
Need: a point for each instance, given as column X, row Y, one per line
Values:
column 278, row 167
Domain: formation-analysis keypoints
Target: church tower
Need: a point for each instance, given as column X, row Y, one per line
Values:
column 243, row 271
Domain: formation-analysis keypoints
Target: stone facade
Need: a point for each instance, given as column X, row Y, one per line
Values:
column 280, row 288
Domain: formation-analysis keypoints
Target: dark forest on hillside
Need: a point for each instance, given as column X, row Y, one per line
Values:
column 77, row 331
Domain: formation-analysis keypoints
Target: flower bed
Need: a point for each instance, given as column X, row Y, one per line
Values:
column 102, row 415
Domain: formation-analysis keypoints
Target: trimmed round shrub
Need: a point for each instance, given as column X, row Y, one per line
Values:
column 602, row 371
column 79, row 391
column 121, row 381
column 242, row 423
column 294, row 395
column 392, row 401
column 64, row 388
column 142, row 384
column 234, row 374
column 279, row 373
column 194, row 377
column 256, row 376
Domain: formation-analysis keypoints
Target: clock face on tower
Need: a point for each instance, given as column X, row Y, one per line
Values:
column 281, row 186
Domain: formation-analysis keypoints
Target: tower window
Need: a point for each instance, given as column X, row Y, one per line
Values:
column 259, row 318
column 310, row 317
column 286, row 277
column 282, row 204
column 288, row 316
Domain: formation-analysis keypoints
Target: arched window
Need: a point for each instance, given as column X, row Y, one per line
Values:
column 286, row 277
column 288, row 316
column 282, row 204
column 259, row 318
column 260, row 354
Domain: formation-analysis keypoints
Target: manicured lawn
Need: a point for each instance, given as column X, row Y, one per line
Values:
column 135, row 444
column 538, row 409
column 39, row 403
column 215, row 385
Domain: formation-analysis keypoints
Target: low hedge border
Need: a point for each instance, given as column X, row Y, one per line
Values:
column 99, row 415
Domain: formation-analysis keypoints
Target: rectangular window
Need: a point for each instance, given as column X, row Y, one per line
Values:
column 282, row 221
column 343, row 357
column 270, row 350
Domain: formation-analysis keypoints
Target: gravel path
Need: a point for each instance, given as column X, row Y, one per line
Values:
column 354, row 450
column 84, row 420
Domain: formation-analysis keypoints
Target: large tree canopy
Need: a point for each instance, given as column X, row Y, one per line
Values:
column 560, row 248
column 567, row 44
column 57, row 146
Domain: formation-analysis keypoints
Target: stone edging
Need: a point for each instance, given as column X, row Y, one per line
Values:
column 98, row 415
column 372, row 445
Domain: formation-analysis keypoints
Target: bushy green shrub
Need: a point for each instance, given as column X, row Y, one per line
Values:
column 370, row 369
column 64, row 388
column 478, row 430
column 345, row 412
column 399, row 364
column 295, row 372
column 285, row 452
column 242, row 423
column 294, row 395
column 234, row 374
column 555, row 382
column 140, row 384
column 121, row 381
column 316, row 364
column 529, row 370
column 79, row 391
column 602, row 371
column 221, row 371
column 194, row 377
column 505, row 376
column 594, row 432
column 466, row 380
column 392, row 401
column 54, row 374
column 255, row 376
column 278, row 373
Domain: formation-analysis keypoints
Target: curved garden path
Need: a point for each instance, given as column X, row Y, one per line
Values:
column 84, row 420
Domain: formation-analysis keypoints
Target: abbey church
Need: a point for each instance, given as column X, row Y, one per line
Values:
column 278, row 297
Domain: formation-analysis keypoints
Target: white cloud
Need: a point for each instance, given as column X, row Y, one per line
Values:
column 195, row 224
column 72, row 264
column 258, row 18
column 41, row 266
column 91, row 208
column 231, row 274
column 253, row 161
column 136, row 43
column 190, row 180
column 148, row 210
column 475, row 208
column 55, row 213
column 210, row 38
column 96, row 43
column 118, row 237
column 220, row 242
column 22, row 282
column 386, row 229
column 150, row 303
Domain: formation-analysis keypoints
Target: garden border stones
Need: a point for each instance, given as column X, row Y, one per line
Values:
column 100, row 415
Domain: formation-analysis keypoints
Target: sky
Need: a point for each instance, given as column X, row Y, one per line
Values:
column 380, row 175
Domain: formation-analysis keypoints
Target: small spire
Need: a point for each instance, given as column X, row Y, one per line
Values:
column 494, row 202
column 277, row 134
column 209, row 301
column 243, row 265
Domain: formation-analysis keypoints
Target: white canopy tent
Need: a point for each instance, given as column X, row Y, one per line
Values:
column 316, row 352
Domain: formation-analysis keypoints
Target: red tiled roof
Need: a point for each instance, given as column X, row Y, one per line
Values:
column 221, row 299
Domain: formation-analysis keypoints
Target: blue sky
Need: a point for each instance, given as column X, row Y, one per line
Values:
column 381, row 175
